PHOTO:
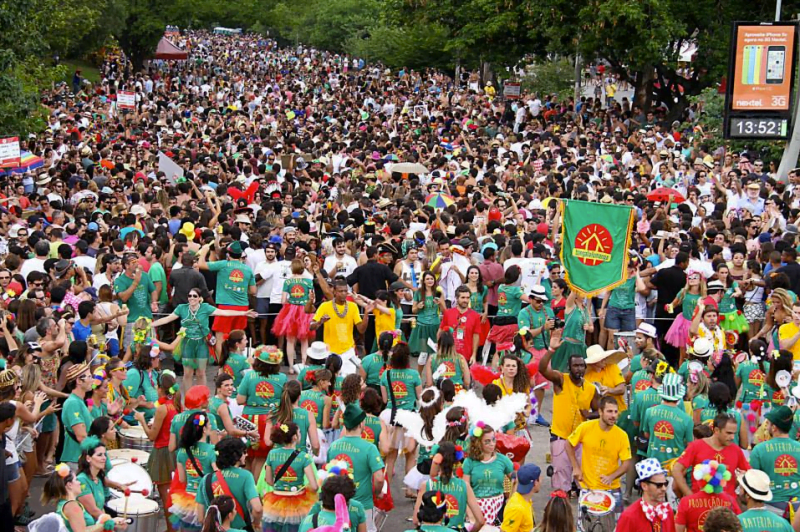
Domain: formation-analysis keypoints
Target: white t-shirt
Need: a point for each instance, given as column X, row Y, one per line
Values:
column 282, row 272
column 532, row 271
column 31, row 265
column 267, row 271
column 336, row 266
column 85, row 261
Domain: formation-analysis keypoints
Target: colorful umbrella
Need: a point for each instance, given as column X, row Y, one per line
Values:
column 663, row 194
column 439, row 200
column 27, row 162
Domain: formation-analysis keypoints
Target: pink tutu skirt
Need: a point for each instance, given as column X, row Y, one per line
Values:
column 678, row 333
column 292, row 322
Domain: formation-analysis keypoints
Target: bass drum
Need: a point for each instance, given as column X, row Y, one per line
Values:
column 596, row 511
column 127, row 473
column 143, row 513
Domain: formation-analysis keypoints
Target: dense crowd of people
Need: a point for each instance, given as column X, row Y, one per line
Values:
column 371, row 259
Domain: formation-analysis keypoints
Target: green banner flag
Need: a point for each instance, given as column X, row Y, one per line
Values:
column 595, row 238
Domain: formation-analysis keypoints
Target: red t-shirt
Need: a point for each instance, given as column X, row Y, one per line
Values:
column 693, row 510
column 634, row 520
column 464, row 327
column 732, row 456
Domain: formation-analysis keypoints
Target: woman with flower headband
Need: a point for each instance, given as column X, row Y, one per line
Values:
column 260, row 395
column 161, row 462
column 63, row 489
column 485, row 470
column 231, row 480
column 687, row 298
column 428, row 307
column 557, row 516
column 455, row 366
column 142, row 379
column 194, row 317
column 290, row 472
column 195, row 458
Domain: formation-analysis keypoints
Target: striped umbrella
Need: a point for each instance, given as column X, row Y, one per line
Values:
column 27, row 162
column 439, row 200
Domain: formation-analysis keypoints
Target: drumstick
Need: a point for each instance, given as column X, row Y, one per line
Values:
column 125, row 510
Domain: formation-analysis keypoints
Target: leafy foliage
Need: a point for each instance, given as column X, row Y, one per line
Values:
column 551, row 77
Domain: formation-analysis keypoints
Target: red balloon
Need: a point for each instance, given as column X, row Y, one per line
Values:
column 515, row 447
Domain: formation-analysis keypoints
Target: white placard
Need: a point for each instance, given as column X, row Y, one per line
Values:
column 172, row 169
column 511, row 90
column 9, row 152
column 126, row 100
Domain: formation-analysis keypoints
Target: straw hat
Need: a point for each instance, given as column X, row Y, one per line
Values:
column 76, row 371
column 595, row 354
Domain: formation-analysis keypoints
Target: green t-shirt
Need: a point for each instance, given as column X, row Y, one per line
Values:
column 234, row 279
column 94, row 488
column 299, row 290
column 372, row 430
column 139, row 302
column 640, row 381
column 213, row 408
column 452, row 369
column 778, row 459
column 180, row 420
column 487, row 479
column 429, row 314
column 670, row 429
column 751, row 378
column 295, row 476
column 195, row 323
column 302, row 376
column 623, row 296
column 728, row 303
column 74, row 412
column 404, row 385
column 328, row 517
column 373, row 367
column 532, row 319
column 302, row 418
column 204, row 456
column 636, row 363
column 236, row 366
column 241, row 485
column 313, row 401
column 509, row 300
column 263, row 393
column 699, row 402
column 363, row 459
column 157, row 274
column 455, row 494
column 143, row 383
column 763, row 520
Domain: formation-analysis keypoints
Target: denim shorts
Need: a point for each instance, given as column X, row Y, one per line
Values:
column 618, row 319
column 12, row 471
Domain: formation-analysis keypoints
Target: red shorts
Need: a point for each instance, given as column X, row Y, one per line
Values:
column 226, row 324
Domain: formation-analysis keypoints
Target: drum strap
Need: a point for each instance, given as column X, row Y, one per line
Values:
column 391, row 397
column 285, row 466
column 226, row 490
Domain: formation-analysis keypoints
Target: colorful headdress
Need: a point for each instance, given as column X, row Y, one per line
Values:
column 477, row 430
column 269, row 354
column 90, row 443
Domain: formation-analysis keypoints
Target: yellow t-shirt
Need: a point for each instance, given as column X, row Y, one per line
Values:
column 789, row 330
column 610, row 377
column 384, row 322
column 518, row 515
column 338, row 332
column 567, row 406
column 603, row 452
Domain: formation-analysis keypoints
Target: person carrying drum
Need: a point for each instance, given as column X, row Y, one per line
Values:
column 606, row 453
column 651, row 512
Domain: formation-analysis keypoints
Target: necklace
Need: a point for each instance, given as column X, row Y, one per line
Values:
column 336, row 310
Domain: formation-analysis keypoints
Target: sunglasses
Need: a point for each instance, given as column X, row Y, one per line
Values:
column 193, row 296
column 659, row 485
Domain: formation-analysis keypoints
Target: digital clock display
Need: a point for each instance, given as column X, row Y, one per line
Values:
column 767, row 128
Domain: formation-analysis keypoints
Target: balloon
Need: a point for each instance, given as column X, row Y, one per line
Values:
column 698, row 475
column 708, row 488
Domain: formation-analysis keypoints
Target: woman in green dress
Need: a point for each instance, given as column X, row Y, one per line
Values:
column 194, row 317
column 63, row 489
column 577, row 323
column 428, row 307
column 478, row 300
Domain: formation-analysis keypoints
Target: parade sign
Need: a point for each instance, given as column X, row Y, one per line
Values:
column 126, row 100
column 9, row 152
column 595, row 239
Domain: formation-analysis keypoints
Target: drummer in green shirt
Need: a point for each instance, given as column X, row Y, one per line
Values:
column 755, row 492
column 778, row 456
column 134, row 288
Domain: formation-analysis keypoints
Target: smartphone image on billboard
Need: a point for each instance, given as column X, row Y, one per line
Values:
column 776, row 64
column 747, row 64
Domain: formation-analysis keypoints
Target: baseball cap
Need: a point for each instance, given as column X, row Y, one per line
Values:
column 527, row 476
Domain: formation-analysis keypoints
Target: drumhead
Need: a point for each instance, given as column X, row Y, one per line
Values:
column 130, row 472
column 134, row 432
column 137, row 505
column 128, row 455
column 597, row 502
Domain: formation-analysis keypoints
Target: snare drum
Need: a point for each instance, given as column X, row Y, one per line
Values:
column 141, row 510
column 128, row 472
column 135, row 438
column 128, row 455
column 596, row 511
